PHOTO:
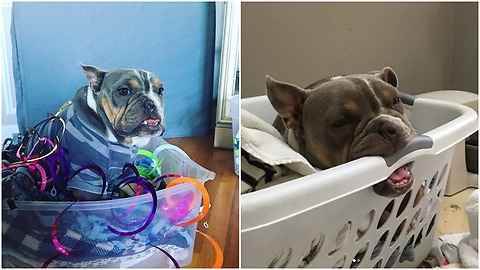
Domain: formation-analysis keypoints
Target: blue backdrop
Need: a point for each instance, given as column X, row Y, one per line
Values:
column 176, row 41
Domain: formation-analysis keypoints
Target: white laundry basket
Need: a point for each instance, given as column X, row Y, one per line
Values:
column 313, row 221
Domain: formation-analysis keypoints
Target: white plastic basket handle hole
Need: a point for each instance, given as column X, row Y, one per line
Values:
column 420, row 194
column 282, row 259
column 385, row 214
column 359, row 256
column 341, row 238
column 418, row 241
column 398, row 233
column 378, row 264
column 365, row 224
column 393, row 258
column 379, row 245
column 432, row 224
column 340, row 263
column 311, row 251
column 404, row 204
column 408, row 253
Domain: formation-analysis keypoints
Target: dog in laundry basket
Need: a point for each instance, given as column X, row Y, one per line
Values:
column 341, row 118
column 119, row 111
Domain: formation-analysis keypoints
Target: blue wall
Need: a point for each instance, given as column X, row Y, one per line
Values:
column 176, row 41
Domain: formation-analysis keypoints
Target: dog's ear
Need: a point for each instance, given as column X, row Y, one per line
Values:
column 287, row 99
column 95, row 76
column 387, row 75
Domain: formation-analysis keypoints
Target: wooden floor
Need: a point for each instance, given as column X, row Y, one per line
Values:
column 222, row 219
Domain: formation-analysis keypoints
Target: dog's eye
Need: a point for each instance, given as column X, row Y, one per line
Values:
column 396, row 100
column 341, row 122
column 160, row 90
column 124, row 91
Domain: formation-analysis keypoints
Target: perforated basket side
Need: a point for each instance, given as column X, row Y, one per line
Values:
column 348, row 232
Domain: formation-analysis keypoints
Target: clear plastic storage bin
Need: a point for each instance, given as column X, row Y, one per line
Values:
column 332, row 218
column 27, row 230
column 234, row 109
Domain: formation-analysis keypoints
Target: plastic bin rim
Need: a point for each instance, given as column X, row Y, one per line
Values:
column 96, row 205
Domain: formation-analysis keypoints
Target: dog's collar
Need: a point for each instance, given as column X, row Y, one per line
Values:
column 91, row 100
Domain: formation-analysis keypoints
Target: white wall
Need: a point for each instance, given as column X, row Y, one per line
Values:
column 465, row 54
column 303, row 42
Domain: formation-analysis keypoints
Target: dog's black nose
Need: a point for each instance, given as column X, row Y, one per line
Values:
column 149, row 106
column 389, row 131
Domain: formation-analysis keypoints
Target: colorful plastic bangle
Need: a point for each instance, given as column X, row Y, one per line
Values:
column 205, row 197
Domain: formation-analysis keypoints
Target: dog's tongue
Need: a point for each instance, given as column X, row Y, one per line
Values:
column 399, row 174
column 152, row 122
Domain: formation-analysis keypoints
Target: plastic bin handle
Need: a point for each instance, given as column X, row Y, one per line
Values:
column 407, row 98
column 418, row 142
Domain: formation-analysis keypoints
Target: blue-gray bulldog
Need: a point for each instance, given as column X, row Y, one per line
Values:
column 119, row 111
column 342, row 118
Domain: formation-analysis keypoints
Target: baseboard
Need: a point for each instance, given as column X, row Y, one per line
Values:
column 223, row 138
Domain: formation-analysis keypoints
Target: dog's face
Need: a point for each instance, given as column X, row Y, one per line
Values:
column 129, row 102
column 338, row 119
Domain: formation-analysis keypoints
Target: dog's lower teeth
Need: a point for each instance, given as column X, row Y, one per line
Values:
column 401, row 183
column 153, row 124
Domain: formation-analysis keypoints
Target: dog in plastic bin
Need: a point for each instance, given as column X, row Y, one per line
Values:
column 119, row 111
column 342, row 118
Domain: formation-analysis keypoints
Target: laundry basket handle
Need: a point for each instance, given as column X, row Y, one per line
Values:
column 407, row 98
column 418, row 142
